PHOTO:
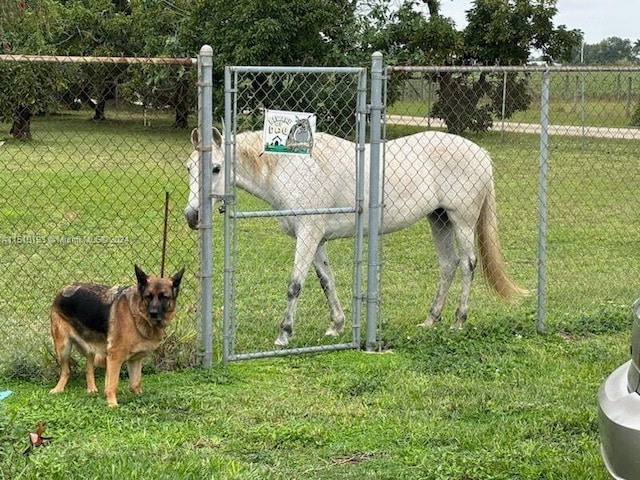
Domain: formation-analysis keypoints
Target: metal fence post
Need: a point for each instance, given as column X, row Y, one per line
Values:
column 228, row 134
column 374, row 199
column 542, row 198
column 360, row 189
column 206, row 137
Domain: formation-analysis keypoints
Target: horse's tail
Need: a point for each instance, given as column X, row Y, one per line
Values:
column 490, row 254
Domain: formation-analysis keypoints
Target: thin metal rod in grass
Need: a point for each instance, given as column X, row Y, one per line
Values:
column 164, row 233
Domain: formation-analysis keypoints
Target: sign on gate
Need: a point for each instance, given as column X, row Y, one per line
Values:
column 288, row 132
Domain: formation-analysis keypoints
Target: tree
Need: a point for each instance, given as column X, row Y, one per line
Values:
column 636, row 50
column 158, row 28
column 274, row 32
column 27, row 89
column 499, row 32
column 407, row 38
column 96, row 28
column 610, row 51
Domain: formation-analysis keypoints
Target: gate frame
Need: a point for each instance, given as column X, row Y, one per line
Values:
column 230, row 127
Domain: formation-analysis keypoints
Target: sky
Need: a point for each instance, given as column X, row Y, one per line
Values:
column 598, row 19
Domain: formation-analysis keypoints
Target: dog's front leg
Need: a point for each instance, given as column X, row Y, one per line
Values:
column 114, row 363
column 135, row 375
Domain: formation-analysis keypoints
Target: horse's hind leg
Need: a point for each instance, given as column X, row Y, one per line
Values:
column 464, row 236
column 442, row 232
column 307, row 242
column 328, row 284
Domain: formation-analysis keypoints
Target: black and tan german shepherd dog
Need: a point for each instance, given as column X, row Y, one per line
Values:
column 112, row 325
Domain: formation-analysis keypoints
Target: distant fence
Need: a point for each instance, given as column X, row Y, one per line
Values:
column 83, row 200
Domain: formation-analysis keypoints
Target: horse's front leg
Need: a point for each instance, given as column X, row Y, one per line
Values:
column 307, row 241
column 328, row 284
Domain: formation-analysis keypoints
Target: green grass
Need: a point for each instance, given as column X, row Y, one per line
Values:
column 493, row 401
column 447, row 405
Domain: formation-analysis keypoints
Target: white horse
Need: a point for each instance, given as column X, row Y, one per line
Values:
column 444, row 178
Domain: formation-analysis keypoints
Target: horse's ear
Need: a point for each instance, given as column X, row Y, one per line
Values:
column 195, row 137
column 217, row 137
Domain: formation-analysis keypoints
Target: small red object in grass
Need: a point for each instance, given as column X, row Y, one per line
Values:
column 36, row 439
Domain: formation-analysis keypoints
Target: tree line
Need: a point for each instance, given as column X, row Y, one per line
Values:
column 265, row 32
column 610, row 51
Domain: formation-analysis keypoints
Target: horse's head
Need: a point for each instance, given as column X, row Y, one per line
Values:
column 193, row 169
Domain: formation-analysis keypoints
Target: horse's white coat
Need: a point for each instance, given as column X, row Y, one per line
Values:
column 444, row 178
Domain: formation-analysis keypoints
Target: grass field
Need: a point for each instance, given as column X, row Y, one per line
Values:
column 494, row 401
column 446, row 405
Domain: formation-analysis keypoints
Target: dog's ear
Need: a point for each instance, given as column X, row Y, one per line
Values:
column 141, row 277
column 176, row 278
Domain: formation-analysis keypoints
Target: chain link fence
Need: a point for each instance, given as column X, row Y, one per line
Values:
column 562, row 173
column 84, row 198
column 566, row 206
column 304, row 196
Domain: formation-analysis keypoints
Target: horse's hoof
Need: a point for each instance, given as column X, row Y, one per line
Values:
column 282, row 341
column 428, row 323
column 332, row 332
column 457, row 325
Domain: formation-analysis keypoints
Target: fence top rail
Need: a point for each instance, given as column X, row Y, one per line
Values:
column 284, row 69
column 119, row 60
column 523, row 68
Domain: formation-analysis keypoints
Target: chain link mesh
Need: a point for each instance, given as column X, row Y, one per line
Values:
column 83, row 199
column 592, row 212
column 263, row 257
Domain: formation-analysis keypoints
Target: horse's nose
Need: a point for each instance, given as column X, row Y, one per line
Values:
column 191, row 216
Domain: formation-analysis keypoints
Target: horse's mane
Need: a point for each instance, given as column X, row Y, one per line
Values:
column 257, row 163
column 250, row 154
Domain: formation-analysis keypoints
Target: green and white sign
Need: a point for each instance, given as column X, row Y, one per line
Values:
column 288, row 132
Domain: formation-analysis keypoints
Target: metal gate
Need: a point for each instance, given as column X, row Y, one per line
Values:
column 258, row 258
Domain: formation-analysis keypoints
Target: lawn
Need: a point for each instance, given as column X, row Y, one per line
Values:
column 496, row 400
column 446, row 405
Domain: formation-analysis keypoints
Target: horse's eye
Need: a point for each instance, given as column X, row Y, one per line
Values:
column 216, row 169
